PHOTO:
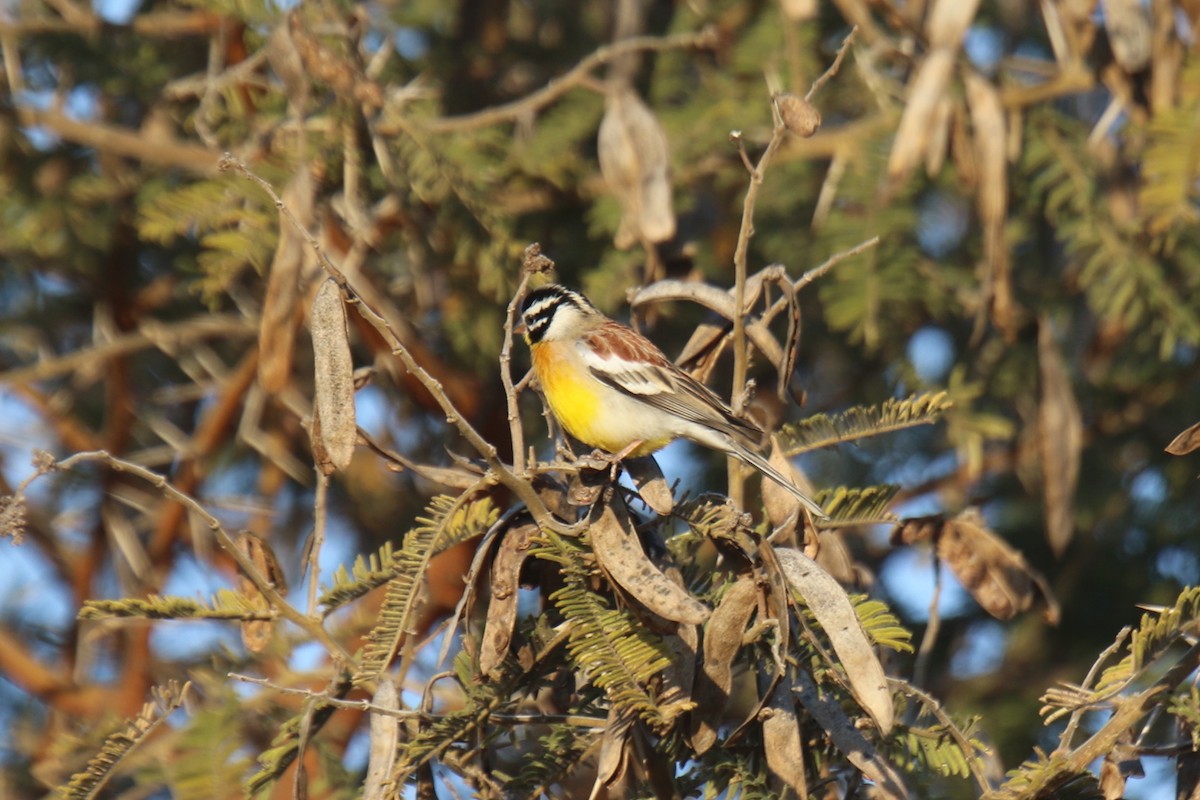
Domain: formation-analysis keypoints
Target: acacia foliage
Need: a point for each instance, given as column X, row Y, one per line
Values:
column 1032, row 181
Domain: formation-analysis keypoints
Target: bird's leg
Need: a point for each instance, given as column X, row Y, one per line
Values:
column 617, row 458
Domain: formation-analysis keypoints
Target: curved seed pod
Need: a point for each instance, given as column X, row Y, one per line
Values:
column 621, row 555
column 834, row 612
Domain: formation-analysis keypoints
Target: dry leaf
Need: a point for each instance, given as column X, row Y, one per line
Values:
column 502, row 609
column 385, row 733
column 635, row 161
column 620, row 554
column 947, row 24
column 684, row 644
column 1060, row 440
column 782, row 744
column 333, row 68
column 722, row 641
column 285, row 61
column 1185, row 442
column 835, row 613
column 256, row 633
column 994, row 573
column 334, row 385
column 651, row 484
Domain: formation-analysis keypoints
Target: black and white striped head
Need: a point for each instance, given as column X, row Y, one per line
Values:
column 554, row 312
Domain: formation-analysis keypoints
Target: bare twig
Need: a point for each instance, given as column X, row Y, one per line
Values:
column 951, row 728
column 520, row 487
column 516, row 432
column 565, row 82
column 120, row 141
column 834, row 67
column 149, row 334
column 320, row 508
column 932, row 627
column 260, row 581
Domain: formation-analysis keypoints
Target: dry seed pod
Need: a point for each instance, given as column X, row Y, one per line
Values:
column 799, row 116
column 620, row 554
column 993, row 572
column 782, row 742
column 835, row 613
column 502, row 610
column 337, row 430
column 635, row 161
column 256, row 633
column 385, row 734
column 1185, row 442
column 722, row 641
column 1129, row 33
column 1060, row 440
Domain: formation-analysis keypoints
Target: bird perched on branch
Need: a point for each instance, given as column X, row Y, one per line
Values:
column 611, row 388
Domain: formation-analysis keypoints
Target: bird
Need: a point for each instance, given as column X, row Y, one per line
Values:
column 613, row 389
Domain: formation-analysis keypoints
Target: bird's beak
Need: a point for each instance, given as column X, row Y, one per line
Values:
column 520, row 328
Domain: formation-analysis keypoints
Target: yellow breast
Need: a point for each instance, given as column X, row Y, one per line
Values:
column 595, row 414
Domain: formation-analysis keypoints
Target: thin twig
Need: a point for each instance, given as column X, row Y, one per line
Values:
column 561, row 85
column 834, row 67
column 741, row 354
column 520, row 487
column 817, row 272
column 150, row 333
column 935, row 708
column 1077, row 716
column 921, row 667
column 260, row 581
column 320, row 509
column 516, row 432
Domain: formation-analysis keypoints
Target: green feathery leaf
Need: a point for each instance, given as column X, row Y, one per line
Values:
column 825, row 430
column 881, row 624
column 611, row 647
column 225, row 604
column 449, row 519
column 88, row 782
column 1157, row 631
column 867, row 505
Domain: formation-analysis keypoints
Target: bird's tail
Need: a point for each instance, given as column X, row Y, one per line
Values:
column 762, row 465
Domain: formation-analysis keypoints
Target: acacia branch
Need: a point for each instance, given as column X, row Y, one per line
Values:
column 312, row 627
column 522, row 488
column 124, row 142
column 559, row 86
